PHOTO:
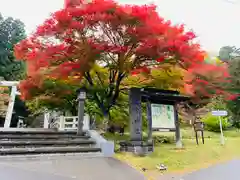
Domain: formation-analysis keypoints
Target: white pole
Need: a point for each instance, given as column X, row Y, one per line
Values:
column 8, row 118
column 221, row 137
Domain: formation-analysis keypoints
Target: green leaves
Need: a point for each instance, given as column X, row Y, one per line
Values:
column 54, row 95
column 231, row 54
column 11, row 32
column 168, row 77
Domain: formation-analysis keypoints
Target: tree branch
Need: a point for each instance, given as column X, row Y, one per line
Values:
column 112, row 77
column 88, row 78
column 95, row 95
column 117, row 88
column 99, row 78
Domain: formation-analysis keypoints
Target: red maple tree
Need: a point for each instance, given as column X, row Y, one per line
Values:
column 205, row 80
column 122, row 38
column 202, row 83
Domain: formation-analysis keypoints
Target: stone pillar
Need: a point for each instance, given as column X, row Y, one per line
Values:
column 86, row 123
column 81, row 101
column 80, row 116
column 149, row 119
column 135, row 111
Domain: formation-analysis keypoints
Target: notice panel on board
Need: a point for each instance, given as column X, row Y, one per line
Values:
column 163, row 116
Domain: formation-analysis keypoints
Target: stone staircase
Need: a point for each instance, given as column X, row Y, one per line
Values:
column 40, row 141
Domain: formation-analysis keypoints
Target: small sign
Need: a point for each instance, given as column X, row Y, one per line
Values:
column 163, row 130
column 219, row 113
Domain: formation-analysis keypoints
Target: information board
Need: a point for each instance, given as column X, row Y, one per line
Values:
column 163, row 116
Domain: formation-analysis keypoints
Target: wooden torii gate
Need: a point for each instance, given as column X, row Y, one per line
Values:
column 14, row 92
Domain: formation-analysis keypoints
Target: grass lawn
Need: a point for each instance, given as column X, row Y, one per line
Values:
column 191, row 157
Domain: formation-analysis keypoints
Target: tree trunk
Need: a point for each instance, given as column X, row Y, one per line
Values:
column 105, row 121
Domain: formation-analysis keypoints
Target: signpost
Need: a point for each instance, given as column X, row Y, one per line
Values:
column 220, row 114
column 198, row 126
column 161, row 116
column 164, row 118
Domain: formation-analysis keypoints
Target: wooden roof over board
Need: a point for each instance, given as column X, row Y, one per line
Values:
column 160, row 95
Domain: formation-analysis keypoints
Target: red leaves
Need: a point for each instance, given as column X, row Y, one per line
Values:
column 232, row 97
column 24, row 87
column 49, row 26
column 62, row 16
column 205, row 80
column 135, row 72
column 141, row 70
column 71, row 3
column 126, row 37
column 30, row 84
column 188, row 36
column 160, row 59
column 76, row 25
column 65, row 69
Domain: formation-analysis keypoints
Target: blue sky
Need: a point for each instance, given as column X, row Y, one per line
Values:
column 216, row 22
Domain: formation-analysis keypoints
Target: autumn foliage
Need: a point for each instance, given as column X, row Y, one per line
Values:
column 205, row 80
column 124, row 38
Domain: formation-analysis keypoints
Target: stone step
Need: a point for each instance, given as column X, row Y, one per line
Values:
column 50, row 156
column 23, row 131
column 27, row 142
column 41, row 143
column 47, row 150
column 49, row 145
column 41, row 136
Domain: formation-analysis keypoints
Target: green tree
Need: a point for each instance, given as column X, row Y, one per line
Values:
column 54, row 95
column 231, row 54
column 11, row 32
column 234, row 103
column 217, row 103
column 227, row 53
column 61, row 95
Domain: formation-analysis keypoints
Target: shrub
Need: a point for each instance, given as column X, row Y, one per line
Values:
column 163, row 140
column 212, row 123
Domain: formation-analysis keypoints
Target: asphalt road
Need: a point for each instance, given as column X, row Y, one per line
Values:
column 96, row 168
column 225, row 171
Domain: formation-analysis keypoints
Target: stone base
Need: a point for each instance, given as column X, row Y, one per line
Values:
column 138, row 148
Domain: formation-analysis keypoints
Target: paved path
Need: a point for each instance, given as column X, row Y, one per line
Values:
column 225, row 171
column 96, row 168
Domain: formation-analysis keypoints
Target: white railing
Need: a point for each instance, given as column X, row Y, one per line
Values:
column 70, row 123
